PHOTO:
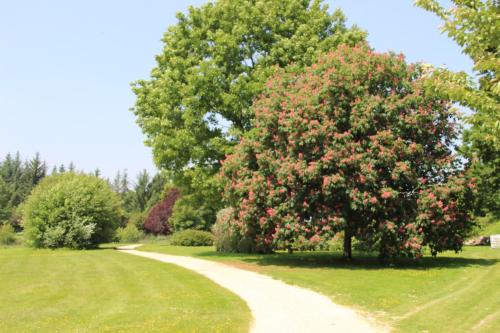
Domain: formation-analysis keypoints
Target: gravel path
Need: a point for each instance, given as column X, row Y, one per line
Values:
column 275, row 305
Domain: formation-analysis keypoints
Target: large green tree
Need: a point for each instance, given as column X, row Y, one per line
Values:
column 475, row 26
column 215, row 61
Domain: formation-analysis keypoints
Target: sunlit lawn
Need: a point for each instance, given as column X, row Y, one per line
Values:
column 451, row 293
column 108, row 291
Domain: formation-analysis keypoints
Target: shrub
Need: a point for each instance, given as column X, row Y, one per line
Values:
column 157, row 221
column 7, row 235
column 192, row 238
column 71, row 210
column 353, row 143
column 129, row 234
column 137, row 219
column 225, row 238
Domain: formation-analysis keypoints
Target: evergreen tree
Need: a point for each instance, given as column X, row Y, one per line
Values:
column 17, row 179
column 116, row 186
column 142, row 190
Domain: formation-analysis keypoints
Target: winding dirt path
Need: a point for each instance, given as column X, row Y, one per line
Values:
column 275, row 305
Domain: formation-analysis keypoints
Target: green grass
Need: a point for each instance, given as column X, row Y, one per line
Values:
column 108, row 291
column 450, row 293
column 489, row 227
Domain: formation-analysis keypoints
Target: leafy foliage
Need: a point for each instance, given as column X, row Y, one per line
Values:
column 71, row 210
column 190, row 212
column 350, row 144
column 474, row 26
column 215, row 61
column 145, row 192
column 137, row 219
column 129, row 234
column 225, row 239
column 191, row 237
column 17, row 179
column 7, row 235
column 157, row 221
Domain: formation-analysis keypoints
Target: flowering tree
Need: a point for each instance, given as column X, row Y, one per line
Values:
column 215, row 61
column 352, row 143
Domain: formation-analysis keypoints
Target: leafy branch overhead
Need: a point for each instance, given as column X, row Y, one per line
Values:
column 215, row 61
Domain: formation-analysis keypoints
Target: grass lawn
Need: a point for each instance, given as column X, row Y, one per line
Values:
column 451, row 293
column 107, row 291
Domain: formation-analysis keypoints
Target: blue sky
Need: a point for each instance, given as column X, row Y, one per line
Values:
column 66, row 68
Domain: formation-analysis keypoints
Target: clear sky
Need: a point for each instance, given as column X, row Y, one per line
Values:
column 66, row 68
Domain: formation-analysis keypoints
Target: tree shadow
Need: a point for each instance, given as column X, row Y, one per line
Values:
column 359, row 262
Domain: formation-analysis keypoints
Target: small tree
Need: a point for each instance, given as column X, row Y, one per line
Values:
column 71, row 210
column 157, row 221
column 353, row 144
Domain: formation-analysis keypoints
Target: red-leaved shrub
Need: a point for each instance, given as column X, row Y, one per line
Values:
column 157, row 220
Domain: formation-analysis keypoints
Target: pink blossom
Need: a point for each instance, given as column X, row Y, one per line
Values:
column 386, row 195
column 271, row 212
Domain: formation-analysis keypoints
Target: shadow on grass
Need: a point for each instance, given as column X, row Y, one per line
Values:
column 361, row 261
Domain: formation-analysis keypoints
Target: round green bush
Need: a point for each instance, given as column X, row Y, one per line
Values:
column 129, row 234
column 71, row 210
column 191, row 237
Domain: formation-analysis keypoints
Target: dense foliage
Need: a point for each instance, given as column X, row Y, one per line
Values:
column 190, row 213
column 226, row 237
column 71, row 210
column 473, row 24
column 129, row 234
column 191, row 237
column 353, row 143
column 7, row 235
column 143, row 194
column 17, row 179
column 215, row 61
column 157, row 221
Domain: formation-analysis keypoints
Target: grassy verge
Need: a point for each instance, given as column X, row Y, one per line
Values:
column 489, row 226
column 451, row 293
column 107, row 291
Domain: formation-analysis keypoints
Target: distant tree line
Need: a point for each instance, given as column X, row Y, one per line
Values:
column 17, row 179
column 19, row 176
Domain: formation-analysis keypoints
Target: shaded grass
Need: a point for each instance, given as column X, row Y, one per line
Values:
column 108, row 291
column 450, row 293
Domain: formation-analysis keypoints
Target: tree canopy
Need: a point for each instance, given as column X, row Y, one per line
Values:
column 215, row 61
column 474, row 25
column 353, row 144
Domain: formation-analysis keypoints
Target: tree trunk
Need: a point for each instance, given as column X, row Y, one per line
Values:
column 347, row 245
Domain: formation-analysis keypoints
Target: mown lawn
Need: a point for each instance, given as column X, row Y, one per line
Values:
column 108, row 291
column 450, row 293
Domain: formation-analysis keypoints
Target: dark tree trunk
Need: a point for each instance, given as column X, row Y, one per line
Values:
column 347, row 245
